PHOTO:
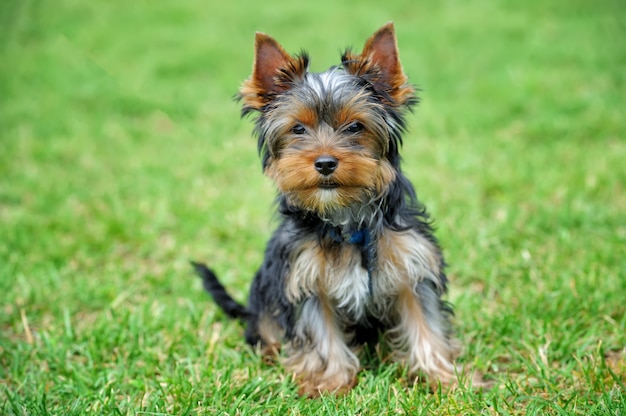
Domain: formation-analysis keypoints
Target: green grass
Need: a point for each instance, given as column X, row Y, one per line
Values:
column 122, row 156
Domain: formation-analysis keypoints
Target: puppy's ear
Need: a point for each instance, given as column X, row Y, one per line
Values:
column 269, row 57
column 273, row 72
column 379, row 62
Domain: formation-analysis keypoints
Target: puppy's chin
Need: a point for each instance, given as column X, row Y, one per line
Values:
column 329, row 198
column 318, row 200
column 339, row 206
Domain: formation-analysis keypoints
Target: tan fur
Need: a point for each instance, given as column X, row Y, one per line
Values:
column 380, row 55
column 326, row 364
column 269, row 58
column 271, row 334
column 406, row 258
column 422, row 347
column 361, row 175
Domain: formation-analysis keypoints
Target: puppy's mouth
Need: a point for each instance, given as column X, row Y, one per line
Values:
column 328, row 185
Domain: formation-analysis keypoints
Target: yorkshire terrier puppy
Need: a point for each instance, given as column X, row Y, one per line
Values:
column 354, row 255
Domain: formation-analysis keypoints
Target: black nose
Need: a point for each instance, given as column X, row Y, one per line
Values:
column 326, row 164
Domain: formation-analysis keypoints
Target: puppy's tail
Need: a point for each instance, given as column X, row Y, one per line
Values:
column 229, row 305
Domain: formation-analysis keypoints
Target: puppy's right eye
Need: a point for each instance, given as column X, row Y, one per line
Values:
column 298, row 129
column 355, row 127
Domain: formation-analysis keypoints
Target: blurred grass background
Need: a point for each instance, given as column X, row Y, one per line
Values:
column 122, row 156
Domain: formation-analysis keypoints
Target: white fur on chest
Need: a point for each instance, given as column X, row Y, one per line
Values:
column 337, row 274
column 403, row 259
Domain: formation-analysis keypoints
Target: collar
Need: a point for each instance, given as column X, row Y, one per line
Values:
column 358, row 237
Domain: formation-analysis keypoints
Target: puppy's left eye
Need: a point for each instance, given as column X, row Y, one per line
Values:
column 298, row 129
column 354, row 127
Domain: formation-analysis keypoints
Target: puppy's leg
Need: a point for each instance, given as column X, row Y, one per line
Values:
column 271, row 334
column 421, row 338
column 410, row 269
column 319, row 356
